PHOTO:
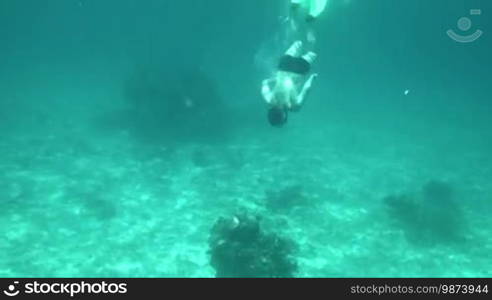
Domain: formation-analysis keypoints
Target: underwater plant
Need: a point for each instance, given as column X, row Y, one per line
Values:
column 240, row 248
column 429, row 217
column 438, row 193
column 444, row 214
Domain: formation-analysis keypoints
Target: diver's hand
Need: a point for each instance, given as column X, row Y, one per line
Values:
column 309, row 82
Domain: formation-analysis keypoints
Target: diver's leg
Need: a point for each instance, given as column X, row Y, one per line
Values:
column 295, row 49
column 301, row 98
column 310, row 57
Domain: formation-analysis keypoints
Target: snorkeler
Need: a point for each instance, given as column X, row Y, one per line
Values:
column 303, row 13
column 281, row 92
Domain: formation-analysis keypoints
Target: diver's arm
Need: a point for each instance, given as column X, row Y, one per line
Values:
column 266, row 91
column 305, row 89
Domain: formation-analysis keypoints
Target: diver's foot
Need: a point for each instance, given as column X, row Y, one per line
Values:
column 310, row 57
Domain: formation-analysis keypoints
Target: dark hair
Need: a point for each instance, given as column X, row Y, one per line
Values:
column 277, row 116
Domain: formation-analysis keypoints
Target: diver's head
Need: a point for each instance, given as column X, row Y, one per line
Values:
column 277, row 116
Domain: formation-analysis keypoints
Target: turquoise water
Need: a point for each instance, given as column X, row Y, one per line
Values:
column 128, row 128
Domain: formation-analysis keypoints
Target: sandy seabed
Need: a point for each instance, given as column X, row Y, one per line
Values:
column 81, row 206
